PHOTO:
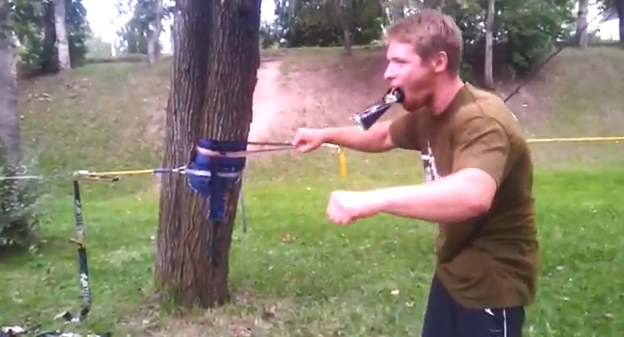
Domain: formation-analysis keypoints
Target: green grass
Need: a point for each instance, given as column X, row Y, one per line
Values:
column 577, row 94
column 325, row 280
column 96, row 120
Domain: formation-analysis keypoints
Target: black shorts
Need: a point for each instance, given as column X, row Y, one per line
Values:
column 447, row 318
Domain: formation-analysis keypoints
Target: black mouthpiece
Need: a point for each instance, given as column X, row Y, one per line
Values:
column 369, row 116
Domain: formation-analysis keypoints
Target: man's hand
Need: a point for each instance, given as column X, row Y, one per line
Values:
column 307, row 140
column 345, row 206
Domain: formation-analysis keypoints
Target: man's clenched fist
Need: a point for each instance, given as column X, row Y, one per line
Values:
column 307, row 140
column 345, row 206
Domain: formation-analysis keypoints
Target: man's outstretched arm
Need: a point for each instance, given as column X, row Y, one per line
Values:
column 457, row 197
column 479, row 162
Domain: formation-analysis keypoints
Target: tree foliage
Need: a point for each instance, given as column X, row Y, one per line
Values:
column 323, row 22
column 524, row 30
column 529, row 29
column 35, row 30
column 135, row 33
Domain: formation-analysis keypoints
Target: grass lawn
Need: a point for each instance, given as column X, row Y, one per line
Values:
column 293, row 273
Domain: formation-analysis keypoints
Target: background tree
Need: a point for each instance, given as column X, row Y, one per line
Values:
column 35, row 29
column 326, row 23
column 62, row 45
column 17, row 199
column 523, row 31
column 581, row 23
column 489, row 26
column 214, row 78
column 141, row 33
column 394, row 9
column 616, row 6
column 9, row 114
column 619, row 8
column 155, row 28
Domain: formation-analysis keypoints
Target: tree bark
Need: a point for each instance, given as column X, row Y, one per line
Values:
column 619, row 8
column 346, row 41
column 61, row 36
column 172, row 31
column 581, row 24
column 9, row 114
column 214, row 76
column 489, row 27
column 50, row 63
column 344, row 12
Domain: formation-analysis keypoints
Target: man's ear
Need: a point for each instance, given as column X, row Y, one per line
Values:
column 439, row 62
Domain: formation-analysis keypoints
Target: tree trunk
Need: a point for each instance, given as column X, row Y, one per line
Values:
column 581, row 24
column 397, row 10
column 154, row 34
column 172, row 31
column 50, row 62
column 214, row 78
column 619, row 8
column 61, row 35
column 343, row 15
column 346, row 32
column 488, row 71
column 9, row 114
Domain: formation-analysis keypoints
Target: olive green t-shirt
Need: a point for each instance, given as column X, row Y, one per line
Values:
column 491, row 260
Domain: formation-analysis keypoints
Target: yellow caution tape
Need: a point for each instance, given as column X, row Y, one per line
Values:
column 343, row 162
column 577, row 139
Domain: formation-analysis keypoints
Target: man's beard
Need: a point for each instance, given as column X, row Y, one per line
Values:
column 419, row 95
column 417, row 102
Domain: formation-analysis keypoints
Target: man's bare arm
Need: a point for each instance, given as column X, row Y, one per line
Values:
column 457, row 197
column 375, row 139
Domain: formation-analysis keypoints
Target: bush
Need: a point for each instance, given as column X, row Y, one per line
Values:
column 18, row 202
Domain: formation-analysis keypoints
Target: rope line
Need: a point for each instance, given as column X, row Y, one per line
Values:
column 576, row 139
column 114, row 175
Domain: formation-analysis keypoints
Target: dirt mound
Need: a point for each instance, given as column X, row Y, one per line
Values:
column 319, row 87
column 311, row 90
column 271, row 106
column 300, row 89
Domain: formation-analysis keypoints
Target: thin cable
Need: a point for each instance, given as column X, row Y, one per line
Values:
column 269, row 143
column 26, row 177
column 541, row 65
column 114, row 175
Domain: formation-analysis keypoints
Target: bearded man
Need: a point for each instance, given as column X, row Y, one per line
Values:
column 478, row 188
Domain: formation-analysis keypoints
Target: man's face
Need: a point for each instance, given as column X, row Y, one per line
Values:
column 408, row 71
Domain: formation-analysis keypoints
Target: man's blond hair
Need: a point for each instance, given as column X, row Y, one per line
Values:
column 430, row 32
